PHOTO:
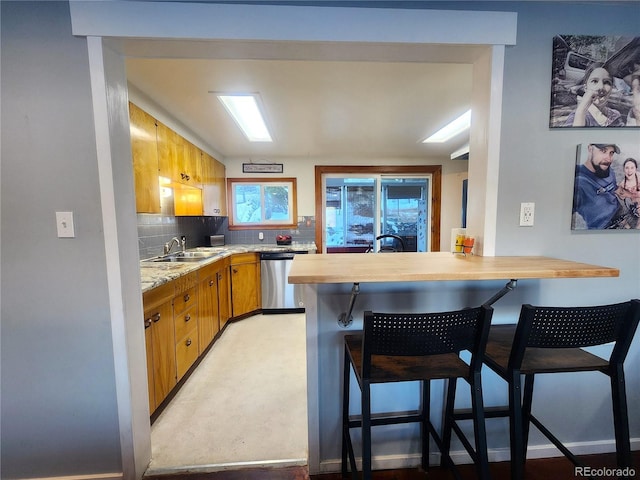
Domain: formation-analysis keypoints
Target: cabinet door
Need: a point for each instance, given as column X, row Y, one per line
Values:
column 214, row 196
column 144, row 152
column 220, row 187
column 148, row 342
column 166, row 152
column 186, row 352
column 208, row 318
column 245, row 288
column 163, row 350
column 224, row 293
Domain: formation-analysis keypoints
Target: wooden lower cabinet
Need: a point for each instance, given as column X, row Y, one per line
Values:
column 182, row 317
column 208, row 305
column 246, row 294
column 160, row 343
column 224, row 292
column 185, row 317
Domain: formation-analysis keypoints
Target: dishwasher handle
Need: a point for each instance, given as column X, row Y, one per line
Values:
column 277, row 255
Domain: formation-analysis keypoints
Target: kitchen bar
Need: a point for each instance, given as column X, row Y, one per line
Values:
column 403, row 282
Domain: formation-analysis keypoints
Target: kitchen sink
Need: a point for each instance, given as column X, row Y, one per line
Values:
column 196, row 256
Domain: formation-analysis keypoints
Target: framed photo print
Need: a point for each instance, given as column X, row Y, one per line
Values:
column 595, row 82
column 606, row 192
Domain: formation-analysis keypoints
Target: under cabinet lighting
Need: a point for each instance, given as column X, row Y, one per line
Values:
column 459, row 125
column 245, row 111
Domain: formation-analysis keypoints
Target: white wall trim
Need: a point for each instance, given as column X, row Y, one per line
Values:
column 461, row 457
column 112, row 251
column 95, row 476
column 291, row 23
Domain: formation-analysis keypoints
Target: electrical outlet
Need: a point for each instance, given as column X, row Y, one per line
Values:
column 526, row 214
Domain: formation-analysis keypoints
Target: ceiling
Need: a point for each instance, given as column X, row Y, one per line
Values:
column 320, row 100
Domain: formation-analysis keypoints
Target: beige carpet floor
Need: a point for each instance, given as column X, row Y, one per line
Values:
column 245, row 404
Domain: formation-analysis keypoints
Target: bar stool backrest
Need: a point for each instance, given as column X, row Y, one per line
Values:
column 417, row 334
column 576, row 327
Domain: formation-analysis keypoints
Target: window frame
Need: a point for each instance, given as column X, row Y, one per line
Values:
column 290, row 222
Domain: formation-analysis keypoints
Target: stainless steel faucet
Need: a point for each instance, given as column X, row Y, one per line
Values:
column 177, row 241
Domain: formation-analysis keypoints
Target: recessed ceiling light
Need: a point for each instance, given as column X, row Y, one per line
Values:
column 459, row 125
column 245, row 111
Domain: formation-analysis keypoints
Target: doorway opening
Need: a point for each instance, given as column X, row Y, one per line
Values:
column 358, row 209
column 354, row 205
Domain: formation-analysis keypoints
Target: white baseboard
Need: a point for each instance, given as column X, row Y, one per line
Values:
column 95, row 476
column 461, row 457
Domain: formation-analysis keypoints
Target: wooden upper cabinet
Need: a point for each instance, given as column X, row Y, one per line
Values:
column 192, row 165
column 214, row 194
column 145, row 160
column 166, row 152
column 177, row 158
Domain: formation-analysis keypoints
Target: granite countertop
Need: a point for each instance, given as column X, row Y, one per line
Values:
column 154, row 274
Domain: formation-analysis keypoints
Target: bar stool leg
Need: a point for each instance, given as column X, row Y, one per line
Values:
column 515, row 426
column 445, row 459
column 479, row 427
column 526, row 413
column 620, row 417
column 346, row 371
column 366, row 430
column 424, row 424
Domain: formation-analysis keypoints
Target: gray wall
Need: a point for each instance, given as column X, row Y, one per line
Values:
column 59, row 412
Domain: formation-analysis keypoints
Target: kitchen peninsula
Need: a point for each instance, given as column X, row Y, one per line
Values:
column 403, row 282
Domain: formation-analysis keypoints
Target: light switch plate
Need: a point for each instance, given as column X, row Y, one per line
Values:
column 64, row 221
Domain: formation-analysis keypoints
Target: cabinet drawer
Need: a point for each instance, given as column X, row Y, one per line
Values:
column 186, row 352
column 153, row 298
column 185, row 321
column 239, row 258
column 185, row 300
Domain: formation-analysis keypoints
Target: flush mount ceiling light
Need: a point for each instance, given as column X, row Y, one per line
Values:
column 459, row 125
column 246, row 113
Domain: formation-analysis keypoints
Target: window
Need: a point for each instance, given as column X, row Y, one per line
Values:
column 262, row 203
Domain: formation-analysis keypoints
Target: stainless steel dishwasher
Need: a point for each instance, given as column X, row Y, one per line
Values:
column 278, row 296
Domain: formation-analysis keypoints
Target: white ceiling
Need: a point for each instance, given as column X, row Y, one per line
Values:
column 320, row 100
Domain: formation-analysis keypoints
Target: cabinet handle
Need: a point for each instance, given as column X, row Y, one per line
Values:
column 188, row 342
column 234, row 270
column 187, row 297
column 147, row 323
column 219, row 276
column 211, row 283
column 187, row 317
column 156, row 318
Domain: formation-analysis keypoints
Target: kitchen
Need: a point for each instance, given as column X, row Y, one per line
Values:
column 96, row 431
column 312, row 79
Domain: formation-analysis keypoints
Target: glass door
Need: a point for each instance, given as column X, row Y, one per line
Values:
column 359, row 209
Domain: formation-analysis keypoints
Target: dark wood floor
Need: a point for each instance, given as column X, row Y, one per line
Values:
column 538, row 469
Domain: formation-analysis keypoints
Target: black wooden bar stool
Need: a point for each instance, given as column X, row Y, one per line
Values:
column 416, row 347
column 549, row 340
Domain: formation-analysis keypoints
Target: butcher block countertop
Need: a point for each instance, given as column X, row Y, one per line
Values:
column 433, row 266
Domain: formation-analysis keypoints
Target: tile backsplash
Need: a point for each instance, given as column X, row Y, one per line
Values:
column 154, row 230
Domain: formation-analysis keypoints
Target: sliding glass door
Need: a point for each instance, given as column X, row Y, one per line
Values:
column 358, row 209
